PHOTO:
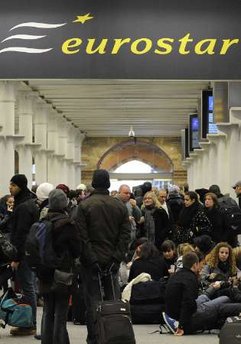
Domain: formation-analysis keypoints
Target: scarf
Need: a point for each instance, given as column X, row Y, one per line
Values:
column 149, row 223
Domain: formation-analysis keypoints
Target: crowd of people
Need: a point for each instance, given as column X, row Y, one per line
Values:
column 184, row 239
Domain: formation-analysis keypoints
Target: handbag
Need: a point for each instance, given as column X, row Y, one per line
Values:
column 14, row 311
column 61, row 280
column 7, row 249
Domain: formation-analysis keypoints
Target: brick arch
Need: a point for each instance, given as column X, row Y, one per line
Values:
column 129, row 150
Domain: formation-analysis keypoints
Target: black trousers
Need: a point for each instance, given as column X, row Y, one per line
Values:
column 54, row 318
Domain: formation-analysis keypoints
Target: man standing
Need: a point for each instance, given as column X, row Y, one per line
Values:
column 25, row 213
column 237, row 189
column 134, row 211
column 105, row 234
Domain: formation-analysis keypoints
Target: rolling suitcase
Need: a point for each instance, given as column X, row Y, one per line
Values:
column 113, row 320
column 230, row 333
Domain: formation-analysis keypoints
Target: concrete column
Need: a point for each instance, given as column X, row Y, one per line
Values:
column 7, row 133
column 220, row 175
column 232, row 163
column 40, row 136
column 52, row 138
column 69, row 158
column 190, row 173
column 201, row 166
column 79, row 138
column 62, row 151
column 24, row 149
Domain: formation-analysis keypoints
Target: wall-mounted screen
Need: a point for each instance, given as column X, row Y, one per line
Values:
column 208, row 125
column 193, row 130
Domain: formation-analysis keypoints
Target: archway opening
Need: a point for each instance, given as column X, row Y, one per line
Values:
column 134, row 173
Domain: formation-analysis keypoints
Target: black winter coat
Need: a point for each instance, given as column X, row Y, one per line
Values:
column 104, row 228
column 180, row 298
column 66, row 242
column 25, row 213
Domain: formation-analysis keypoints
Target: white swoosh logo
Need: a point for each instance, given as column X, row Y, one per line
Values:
column 25, row 50
column 22, row 37
column 38, row 25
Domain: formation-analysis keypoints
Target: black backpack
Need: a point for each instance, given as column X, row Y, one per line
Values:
column 232, row 214
column 39, row 251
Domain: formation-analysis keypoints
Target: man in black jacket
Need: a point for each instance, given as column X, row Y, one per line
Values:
column 25, row 213
column 186, row 312
column 104, row 227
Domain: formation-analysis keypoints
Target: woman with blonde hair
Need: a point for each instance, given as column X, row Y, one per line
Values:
column 156, row 224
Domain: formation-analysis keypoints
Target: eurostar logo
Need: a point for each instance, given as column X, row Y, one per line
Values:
column 40, row 27
column 187, row 44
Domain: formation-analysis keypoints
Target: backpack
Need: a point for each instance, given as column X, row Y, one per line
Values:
column 39, row 252
column 232, row 214
column 14, row 311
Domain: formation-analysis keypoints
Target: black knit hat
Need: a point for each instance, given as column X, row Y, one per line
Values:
column 20, row 180
column 101, row 179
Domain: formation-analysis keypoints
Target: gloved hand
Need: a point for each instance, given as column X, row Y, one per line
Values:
column 95, row 268
column 113, row 266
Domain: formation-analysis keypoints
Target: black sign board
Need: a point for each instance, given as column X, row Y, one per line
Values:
column 154, row 39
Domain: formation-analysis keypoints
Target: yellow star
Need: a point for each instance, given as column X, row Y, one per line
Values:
column 83, row 19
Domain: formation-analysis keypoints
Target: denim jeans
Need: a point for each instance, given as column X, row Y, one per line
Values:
column 26, row 279
column 54, row 318
column 210, row 312
column 92, row 295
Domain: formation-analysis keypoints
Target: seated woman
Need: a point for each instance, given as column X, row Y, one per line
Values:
column 182, row 249
column 149, row 261
column 220, row 265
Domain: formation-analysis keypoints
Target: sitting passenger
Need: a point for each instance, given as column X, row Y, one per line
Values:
column 169, row 253
column 149, row 261
column 220, row 261
column 186, row 312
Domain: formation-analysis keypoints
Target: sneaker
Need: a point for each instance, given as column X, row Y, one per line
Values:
column 172, row 324
column 38, row 336
column 23, row 331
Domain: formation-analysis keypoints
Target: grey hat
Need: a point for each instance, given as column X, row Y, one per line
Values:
column 236, row 184
column 57, row 200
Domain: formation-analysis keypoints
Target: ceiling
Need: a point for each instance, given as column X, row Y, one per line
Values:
column 108, row 108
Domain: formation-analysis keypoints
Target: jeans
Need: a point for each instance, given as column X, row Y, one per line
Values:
column 54, row 319
column 210, row 314
column 92, row 295
column 26, row 279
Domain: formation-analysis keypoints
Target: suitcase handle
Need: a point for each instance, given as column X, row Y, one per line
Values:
column 106, row 273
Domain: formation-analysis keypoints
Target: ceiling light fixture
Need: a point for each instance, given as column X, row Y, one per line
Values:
column 131, row 132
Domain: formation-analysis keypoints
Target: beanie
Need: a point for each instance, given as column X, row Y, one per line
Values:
column 57, row 200
column 20, row 180
column 101, row 179
column 63, row 187
column 81, row 187
column 215, row 189
column 43, row 191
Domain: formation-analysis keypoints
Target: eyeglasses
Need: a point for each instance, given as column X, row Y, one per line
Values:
column 147, row 198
